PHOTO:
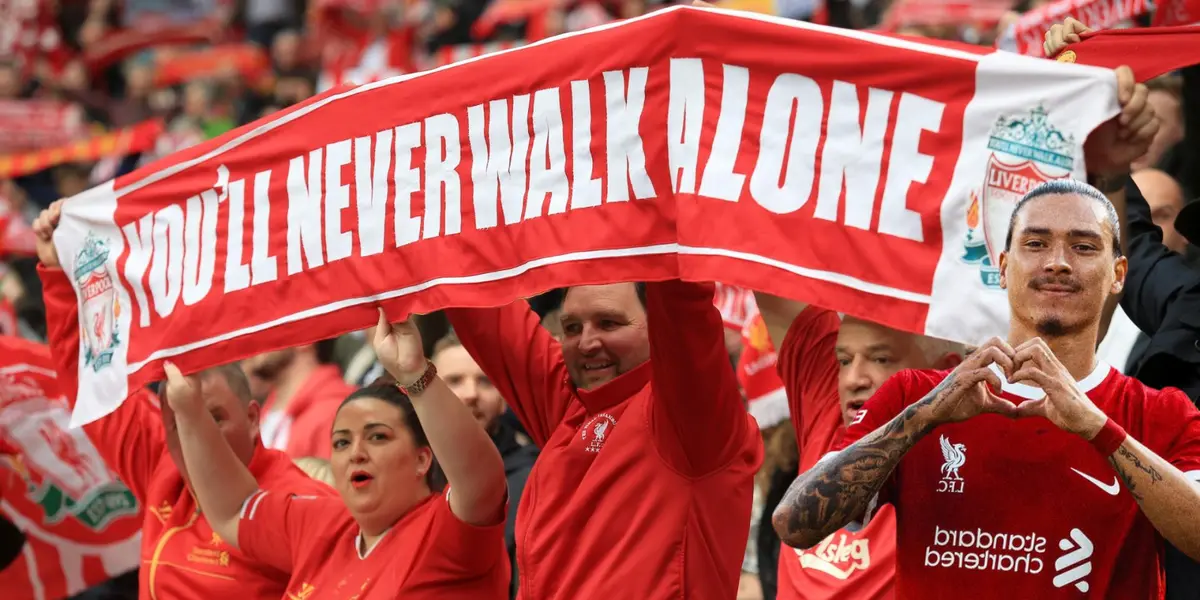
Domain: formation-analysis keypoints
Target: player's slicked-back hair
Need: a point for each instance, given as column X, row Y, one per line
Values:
column 1068, row 187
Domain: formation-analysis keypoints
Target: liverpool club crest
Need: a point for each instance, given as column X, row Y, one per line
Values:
column 100, row 307
column 1025, row 151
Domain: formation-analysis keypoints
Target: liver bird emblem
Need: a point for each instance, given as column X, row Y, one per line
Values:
column 955, row 455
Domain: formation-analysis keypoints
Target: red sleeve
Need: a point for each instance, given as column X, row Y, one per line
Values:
column 461, row 550
column 698, row 417
column 131, row 439
column 523, row 361
column 1172, row 430
column 808, row 368
column 272, row 525
column 888, row 401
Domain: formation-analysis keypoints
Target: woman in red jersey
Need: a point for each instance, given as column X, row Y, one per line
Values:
column 394, row 534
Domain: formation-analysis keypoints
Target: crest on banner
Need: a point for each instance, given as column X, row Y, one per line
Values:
column 1024, row 151
column 100, row 307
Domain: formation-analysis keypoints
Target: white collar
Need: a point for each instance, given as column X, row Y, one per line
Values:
column 360, row 542
column 1029, row 392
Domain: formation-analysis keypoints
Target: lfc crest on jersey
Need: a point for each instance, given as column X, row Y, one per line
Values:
column 1026, row 150
column 100, row 307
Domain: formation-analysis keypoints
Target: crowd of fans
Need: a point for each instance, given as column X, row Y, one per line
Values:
column 72, row 70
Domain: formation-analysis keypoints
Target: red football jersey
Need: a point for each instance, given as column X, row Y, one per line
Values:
column 858, row 563
column 429, row 554
column 643, row 488
column 1021, row 509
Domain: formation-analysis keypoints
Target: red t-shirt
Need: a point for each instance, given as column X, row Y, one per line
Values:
column 182, row 557
column 1021, row 509
column 857, row 562
column 643, row 487
column 429, row 553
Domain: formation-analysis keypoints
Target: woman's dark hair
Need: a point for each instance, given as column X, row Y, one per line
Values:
column 384, row 388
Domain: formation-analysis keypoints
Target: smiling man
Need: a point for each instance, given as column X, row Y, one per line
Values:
column 644, row 485
column 1006, row 472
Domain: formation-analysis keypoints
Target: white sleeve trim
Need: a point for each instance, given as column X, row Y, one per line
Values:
column 250, row 504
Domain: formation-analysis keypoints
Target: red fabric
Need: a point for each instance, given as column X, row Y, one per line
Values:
column 1029, row 479
column 16, row 236
column 81, row 525
column 35, row 124
column 1149, row 52
column 765, row 396
column 182, row 558
column 129, row 140
column 808, row 368
column 643, row 486
column 308, row 417
column 462, row 226
column 249, row 61
column 857, row 564
column 428, row 555
column 118, row 44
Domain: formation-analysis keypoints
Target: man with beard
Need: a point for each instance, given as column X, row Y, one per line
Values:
column 468, row 381
column 300, row 391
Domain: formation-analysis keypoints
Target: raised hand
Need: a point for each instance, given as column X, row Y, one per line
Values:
column 1062, row 35
column 43, row 229
column 1116, row 143
column 183, row 392
column 1064, row 404
column 398, row 348
column 967, row 391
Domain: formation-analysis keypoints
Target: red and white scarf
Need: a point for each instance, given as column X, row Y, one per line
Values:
column 828, row 165
column 1030, row 30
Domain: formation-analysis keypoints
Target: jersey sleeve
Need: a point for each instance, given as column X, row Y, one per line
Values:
column 1172, row 430
column 808, row 367
column 522, row 360
column 272, row 525
column 130, row 439
column 462, row 550
column 888, row 401
column 698, row 417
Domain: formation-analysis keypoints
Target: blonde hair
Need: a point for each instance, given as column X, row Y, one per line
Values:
column 317, row 468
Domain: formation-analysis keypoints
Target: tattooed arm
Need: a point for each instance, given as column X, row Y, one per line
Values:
column 838, row 489
column 1166, row 496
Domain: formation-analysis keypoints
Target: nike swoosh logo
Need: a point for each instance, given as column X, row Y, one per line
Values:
column 1111, row 490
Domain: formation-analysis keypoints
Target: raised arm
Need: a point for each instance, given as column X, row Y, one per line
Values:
column 522, row 360
column 838, row 489
column 468, row 457
column 1166, row 495
column 698, row 411
column 778, row 313
column 220, row 481
column 1156, row 275
column 131, row 439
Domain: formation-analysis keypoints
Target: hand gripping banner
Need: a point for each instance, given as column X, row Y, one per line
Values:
column 868, row 174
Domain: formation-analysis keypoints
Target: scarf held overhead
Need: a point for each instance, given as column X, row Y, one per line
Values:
column 867, row 174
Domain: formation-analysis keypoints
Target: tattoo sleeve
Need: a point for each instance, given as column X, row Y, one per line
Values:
column 1127, row 467
column 838, row 489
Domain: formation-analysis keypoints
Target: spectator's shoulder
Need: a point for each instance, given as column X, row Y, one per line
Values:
column 913, row 384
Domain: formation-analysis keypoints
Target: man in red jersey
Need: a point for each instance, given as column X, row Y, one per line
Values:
column 830, row 367
column 1010, row 483
column 182, row 558
column 643, row 488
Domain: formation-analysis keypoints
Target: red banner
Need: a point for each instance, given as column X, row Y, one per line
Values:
column 34, row 124
column 828, row 165
column 129, row 140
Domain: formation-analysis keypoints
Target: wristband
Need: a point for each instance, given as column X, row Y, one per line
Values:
column 415, row 388
column 1110, row 438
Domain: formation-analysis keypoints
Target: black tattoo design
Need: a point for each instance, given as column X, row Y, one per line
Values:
column 1108, row 184
column 1137, row 463
column 837, row 490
